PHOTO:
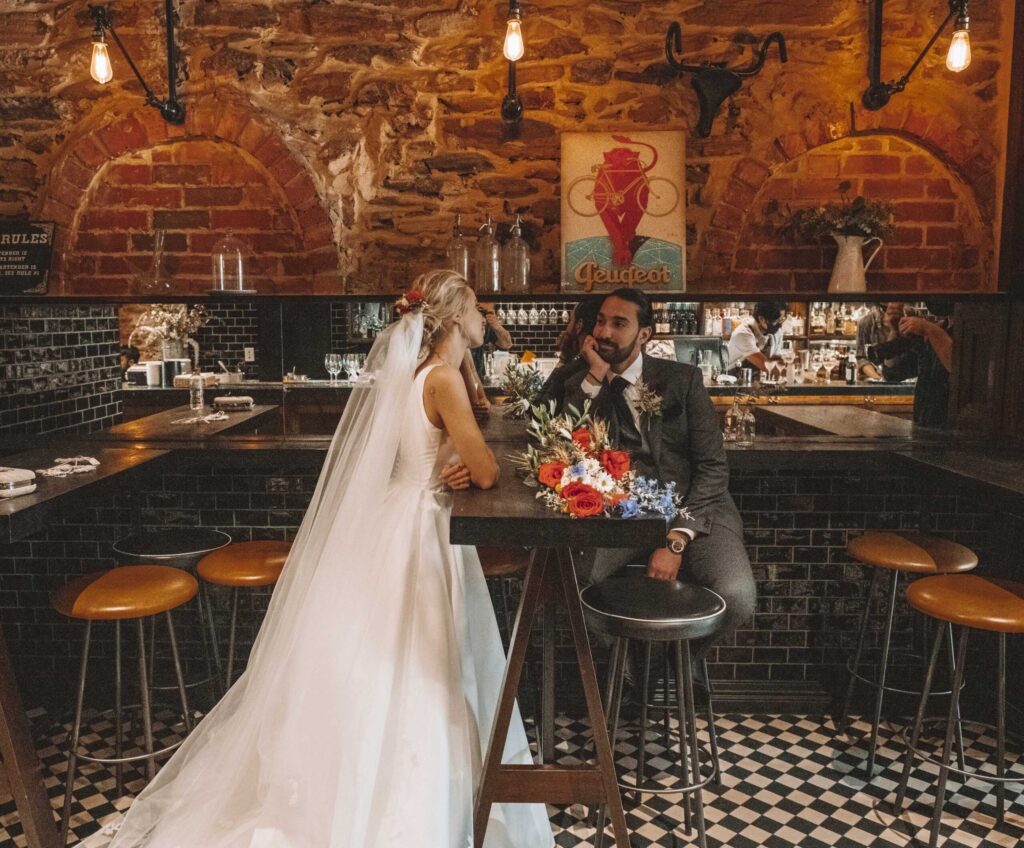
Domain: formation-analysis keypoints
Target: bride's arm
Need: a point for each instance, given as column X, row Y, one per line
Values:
column 475, row 388
column 448, row 401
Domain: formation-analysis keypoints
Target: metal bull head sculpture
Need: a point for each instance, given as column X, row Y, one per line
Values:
column 713, row 84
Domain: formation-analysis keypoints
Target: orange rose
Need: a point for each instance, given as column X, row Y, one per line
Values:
column 581, row 436
column 570, row 490
column 615, row 463
column 586, row 503
column 550, row 473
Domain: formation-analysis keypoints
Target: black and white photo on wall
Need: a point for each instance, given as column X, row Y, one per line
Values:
column 26, row 248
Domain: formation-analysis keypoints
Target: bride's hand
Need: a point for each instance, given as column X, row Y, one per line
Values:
column 455, row 476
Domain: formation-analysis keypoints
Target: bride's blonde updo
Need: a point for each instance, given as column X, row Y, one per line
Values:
column 445, row 297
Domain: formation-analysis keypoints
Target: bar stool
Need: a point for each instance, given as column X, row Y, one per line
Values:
column 899, row 553
column 640, row 608
column 239, row 566
column 500, row 566
column 131, row 592
column 971, row 603
column 182, row 547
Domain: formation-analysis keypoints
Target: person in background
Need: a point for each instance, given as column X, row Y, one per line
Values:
column 758, row 338
column 581, row 325
column 495, row 336
column 930, row 358
column 879, row 325
column 130, row 355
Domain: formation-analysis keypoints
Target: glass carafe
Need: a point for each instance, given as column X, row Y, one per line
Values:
column 515, row 261
column 457, row 250
column 487, row 279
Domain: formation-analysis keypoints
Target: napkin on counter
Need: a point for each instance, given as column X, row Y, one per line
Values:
column 67, row 465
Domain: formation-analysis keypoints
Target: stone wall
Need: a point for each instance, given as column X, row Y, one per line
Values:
column 359, row 129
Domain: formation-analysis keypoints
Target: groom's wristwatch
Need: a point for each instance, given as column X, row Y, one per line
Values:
column 677, row 545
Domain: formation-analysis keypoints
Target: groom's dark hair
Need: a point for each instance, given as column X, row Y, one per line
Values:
column 644, row 311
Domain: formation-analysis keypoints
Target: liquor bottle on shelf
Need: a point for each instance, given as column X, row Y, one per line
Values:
column 830, row 321
column 515, row 261
column 851, row 369
column 488, row 260
column 849, row 324
column 457, row 250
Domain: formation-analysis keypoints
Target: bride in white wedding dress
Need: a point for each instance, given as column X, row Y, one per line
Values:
column 363, row 715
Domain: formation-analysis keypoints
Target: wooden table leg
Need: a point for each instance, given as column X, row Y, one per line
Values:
column 549, row 579
column 24, row 770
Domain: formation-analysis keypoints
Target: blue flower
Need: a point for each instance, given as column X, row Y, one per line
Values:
column 628, row 508
column 666, row 505
column 577, row 470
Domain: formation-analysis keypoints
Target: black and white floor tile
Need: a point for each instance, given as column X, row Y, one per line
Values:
column 786, row 781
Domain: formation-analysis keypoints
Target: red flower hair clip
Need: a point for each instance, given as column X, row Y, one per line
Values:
column 409, row 302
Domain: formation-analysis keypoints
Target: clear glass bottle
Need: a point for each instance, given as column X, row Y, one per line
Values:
column 732, row 420
column 457, row 250
column 515, row 261
column 488, row 260
column 229, row 257
column 746, row 427
column 195, row 392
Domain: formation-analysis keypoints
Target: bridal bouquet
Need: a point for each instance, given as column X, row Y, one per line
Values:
column 577, row 471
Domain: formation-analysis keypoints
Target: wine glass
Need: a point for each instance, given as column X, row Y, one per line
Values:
column 332, row 362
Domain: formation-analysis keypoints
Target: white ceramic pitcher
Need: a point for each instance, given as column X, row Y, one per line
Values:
column 849, row 268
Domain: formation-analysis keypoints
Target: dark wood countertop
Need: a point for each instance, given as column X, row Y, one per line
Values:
column 26, row 514
column 167, row 425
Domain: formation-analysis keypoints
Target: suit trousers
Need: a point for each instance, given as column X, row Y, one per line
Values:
column 717, row 560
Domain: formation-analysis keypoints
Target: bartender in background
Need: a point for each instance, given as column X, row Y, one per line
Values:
column 758, row 338
column 495, row 336
column 927, row 353
column 879, row 325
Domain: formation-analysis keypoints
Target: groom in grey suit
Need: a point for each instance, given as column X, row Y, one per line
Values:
column 682, row 444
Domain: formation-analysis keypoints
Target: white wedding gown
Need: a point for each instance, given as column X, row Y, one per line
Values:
column 367, row 729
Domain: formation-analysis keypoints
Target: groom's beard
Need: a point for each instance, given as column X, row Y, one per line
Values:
column 613, row 354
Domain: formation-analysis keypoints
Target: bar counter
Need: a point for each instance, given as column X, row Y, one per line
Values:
column 802, row 497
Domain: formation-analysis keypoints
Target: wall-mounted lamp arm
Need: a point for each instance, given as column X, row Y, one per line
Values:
column 171, row 109
column 878, row 93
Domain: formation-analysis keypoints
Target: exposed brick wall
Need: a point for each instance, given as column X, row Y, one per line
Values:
column 197, row 191
column 940, row 242
column 391, row 111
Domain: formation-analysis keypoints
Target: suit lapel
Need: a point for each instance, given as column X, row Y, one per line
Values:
column 651, row 424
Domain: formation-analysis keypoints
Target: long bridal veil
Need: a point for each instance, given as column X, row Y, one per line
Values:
column 214, row 784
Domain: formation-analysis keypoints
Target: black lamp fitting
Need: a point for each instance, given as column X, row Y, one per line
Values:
column 879, row 93
column 172, row 110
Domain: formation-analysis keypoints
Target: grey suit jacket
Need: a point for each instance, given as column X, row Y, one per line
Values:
column 683, row 444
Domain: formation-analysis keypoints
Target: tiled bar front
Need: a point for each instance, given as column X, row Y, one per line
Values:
column 799, row 509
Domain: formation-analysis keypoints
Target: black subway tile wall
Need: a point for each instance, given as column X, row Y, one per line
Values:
column 797, row 524
column 59, row 368
column 232, row 328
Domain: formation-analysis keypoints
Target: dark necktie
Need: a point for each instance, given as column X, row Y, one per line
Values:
column 624, row 432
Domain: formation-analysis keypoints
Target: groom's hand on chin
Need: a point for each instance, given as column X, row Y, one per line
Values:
column 664, row 565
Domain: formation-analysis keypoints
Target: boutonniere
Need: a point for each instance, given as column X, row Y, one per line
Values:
column 647, row 400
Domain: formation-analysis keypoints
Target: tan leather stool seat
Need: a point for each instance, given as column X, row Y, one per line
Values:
column 130, row 591
column 245, row 563
column 911, row 552
column 503, row 562
column 971, row 601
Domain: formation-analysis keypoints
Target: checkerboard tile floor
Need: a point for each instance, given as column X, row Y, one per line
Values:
column 787, row 781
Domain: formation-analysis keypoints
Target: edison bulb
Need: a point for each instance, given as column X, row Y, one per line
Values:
column 513, row 49
column 100, row 67
column 959, row 55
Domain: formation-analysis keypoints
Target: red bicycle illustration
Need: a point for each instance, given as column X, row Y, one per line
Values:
column 622, row 192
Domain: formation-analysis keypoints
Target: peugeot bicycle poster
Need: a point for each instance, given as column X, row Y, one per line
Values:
column 623, row 211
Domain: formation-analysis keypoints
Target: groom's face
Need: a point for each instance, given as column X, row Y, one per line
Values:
column 618, row 333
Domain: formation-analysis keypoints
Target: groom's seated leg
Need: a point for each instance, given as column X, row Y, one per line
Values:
column 718, row 560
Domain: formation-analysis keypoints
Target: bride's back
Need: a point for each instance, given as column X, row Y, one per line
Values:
column 420, row 445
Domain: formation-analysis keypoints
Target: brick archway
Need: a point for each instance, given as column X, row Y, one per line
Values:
column 190, row 181
column 939, row 160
